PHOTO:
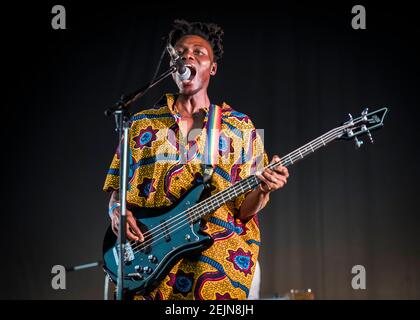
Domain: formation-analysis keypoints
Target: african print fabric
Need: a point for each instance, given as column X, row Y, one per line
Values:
column 163, row 167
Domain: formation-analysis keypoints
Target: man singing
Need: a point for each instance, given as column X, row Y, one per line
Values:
column 166, row 147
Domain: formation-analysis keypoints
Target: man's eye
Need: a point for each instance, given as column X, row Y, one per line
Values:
column 199, row 52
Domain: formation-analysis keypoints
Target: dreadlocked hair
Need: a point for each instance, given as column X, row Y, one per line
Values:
column 209, row 31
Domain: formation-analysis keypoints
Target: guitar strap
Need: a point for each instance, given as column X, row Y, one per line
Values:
column 211, row 148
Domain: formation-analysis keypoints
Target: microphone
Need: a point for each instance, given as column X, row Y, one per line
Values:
column 183, row 72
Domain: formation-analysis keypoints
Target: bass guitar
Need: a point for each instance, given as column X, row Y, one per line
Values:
column 170, row 233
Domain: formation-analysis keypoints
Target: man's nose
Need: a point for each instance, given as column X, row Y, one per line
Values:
column 187, row 55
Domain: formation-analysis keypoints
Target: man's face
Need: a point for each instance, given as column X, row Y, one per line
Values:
column 198, row 56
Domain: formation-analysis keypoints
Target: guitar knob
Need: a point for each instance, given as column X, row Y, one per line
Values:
column 152, row 258
column 147, row 269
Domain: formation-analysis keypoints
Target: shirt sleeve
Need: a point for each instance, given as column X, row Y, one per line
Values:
column 255, row 158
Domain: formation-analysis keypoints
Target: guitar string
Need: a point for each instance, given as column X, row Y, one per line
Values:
column 218, row 197
column 236, row 187
column 221, row 195
column 184, row 222
column 181, row 223
column 175, row 224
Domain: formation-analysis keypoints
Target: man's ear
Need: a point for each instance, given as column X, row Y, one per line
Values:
column 213, row 69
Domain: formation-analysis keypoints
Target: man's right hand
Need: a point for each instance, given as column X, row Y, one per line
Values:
column 133, row 231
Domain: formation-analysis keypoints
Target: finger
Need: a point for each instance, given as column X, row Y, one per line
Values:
column 133, row 225
column 282, row 173
column 279, row 176
column 114, row 228
column 131, row 235
column 283, row 179
column 275, row 180
column 262, row 178
column 270, row 176
column 281, row 182
column 282, row 170
column 276, row 159
column 116, row 213
column 268, row 170
column 265, row 182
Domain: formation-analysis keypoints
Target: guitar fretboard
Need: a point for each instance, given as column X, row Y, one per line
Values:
column 217, row 200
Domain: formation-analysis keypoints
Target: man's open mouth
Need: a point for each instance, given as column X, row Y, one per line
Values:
column 193, row 71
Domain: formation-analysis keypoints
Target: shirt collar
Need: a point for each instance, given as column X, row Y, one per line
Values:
column 170, row 102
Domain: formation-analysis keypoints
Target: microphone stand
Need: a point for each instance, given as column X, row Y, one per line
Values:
column 123, row 122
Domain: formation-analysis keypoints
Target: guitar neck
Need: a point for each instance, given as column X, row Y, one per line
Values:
column 214, row 202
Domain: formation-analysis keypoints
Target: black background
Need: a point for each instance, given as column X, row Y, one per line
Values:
column 297, row 69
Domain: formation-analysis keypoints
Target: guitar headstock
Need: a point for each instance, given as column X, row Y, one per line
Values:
column 363, row 125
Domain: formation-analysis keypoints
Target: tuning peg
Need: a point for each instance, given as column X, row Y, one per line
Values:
column 370, row 136
column 358, row 142
column 365, row 129
column 364, row 113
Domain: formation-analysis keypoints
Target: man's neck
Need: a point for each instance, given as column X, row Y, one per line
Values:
column 189, row 105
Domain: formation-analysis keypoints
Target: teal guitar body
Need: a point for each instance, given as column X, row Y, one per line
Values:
column 170, row 234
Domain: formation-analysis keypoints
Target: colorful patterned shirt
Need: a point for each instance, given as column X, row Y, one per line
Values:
column 162, row 169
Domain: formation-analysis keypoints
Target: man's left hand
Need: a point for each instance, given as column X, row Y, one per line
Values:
column 273, row 179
